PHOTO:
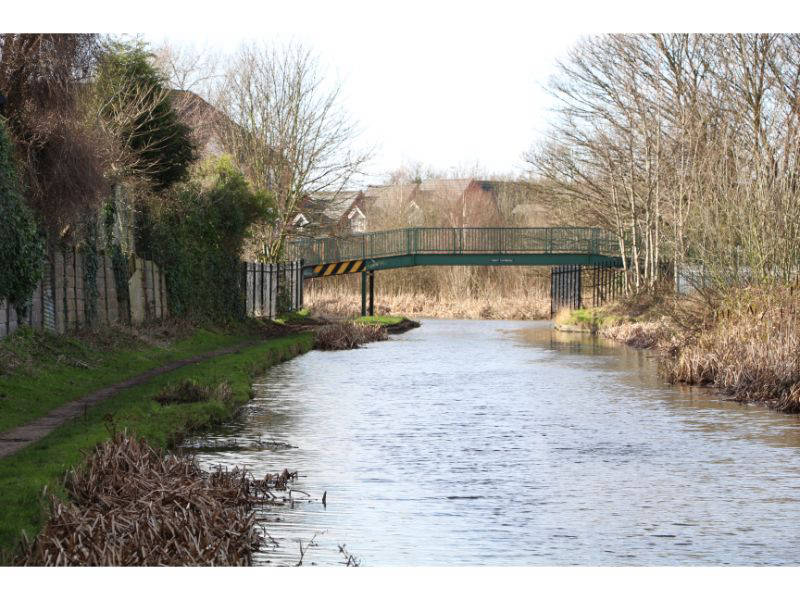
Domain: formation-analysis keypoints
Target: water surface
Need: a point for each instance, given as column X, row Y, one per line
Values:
column 506, row 443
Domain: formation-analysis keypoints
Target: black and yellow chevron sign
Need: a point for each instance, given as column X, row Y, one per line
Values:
column 339, row 268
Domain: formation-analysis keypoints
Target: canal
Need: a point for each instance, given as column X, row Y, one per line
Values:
column 507, row 443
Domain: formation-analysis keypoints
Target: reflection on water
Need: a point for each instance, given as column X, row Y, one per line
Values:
column 486, row 442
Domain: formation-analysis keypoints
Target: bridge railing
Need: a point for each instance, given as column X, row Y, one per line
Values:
column 460, row 240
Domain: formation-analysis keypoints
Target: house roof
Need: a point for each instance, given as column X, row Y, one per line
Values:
column 326, row 208
column 385, row 197
column 205, row 120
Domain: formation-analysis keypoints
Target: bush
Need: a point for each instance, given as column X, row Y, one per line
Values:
column 21, row 246
column 137, row 109
column 197, row 236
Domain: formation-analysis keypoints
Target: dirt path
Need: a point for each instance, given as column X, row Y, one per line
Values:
column 15, row 439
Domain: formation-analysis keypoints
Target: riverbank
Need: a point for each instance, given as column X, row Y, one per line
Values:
column 744, row 342
column 185, row 379
column 224, row 380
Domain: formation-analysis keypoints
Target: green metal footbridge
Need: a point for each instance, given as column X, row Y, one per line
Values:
column 445, row 246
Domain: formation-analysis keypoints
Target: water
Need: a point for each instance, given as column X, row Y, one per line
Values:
column 506, row 443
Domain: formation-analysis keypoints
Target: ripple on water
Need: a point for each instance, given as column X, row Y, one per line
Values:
column 480, row 442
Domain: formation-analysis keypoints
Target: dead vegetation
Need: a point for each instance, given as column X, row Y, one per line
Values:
column 640, row 334
column 347, row 336
column 751, row 351
column 335, row 303
column 746, row 343
column 131, row 505
column 183, row 392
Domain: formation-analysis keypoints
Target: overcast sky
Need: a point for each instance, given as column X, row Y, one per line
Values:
column 444, row 92
column 445, row 84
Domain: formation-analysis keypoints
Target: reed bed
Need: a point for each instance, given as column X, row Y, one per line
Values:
column 744, row 342
column 333, row 304
column 751, row 352
column 348, row 335
column 132, row 505
column 640, row 334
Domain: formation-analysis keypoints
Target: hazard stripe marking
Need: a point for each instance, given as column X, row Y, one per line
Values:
column 339, row 268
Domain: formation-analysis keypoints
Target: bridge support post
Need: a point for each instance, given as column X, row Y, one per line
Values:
column 372, row 293
column 363, row 293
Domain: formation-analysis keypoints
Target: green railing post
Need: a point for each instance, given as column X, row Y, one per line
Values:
column 363, row 293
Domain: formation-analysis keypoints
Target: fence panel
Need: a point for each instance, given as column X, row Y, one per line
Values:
column 59, row 301
column 268, row 285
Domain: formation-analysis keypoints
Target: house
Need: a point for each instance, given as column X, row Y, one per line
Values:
column 428, row 203
column 332, row 213
column 434, row 202
column 206, row 121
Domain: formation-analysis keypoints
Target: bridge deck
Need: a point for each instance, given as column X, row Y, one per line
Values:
column 468, row 245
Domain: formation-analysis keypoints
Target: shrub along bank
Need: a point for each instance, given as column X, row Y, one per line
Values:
column 745, row 341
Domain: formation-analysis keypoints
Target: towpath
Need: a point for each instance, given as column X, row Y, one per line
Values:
column 16, row 439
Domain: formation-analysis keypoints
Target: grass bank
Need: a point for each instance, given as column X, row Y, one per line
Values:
column 745, row 342
column 25, row 476
column 390, row 323
column 40, row 371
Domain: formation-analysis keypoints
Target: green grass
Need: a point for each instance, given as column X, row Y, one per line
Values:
column 585, row 315
column 58, row 369
column 24, row 475
column 380, row 320
column 297, row 316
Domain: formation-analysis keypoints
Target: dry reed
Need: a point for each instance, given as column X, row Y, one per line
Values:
column 640, row 334
column 336, row 304
column 347, row 335
column 747, row 345
column 131, row 505
column 752, row 351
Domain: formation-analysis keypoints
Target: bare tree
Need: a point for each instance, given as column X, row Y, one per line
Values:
column 189, row 68
column 41, row 76
column 686, row 146
column 287, row 130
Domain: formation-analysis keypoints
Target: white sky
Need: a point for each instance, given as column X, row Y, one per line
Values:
column 437, row 88
column 445, row 84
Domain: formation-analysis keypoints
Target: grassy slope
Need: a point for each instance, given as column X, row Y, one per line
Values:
column 64, row 369
column 380, row 320
column 24, row 475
